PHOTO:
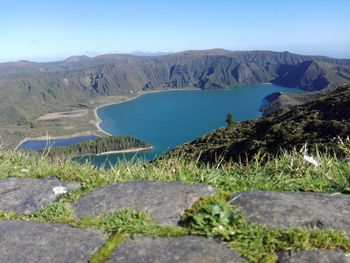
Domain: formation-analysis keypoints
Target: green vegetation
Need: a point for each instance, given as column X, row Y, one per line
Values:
column 287, row 172
column 211, row 216
column 214, row 217
column 319, row 124
column 106, row 251
column 229, row 119
column 101, row 145
column 30, row 90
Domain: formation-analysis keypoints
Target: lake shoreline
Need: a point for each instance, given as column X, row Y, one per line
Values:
column 131, row 150
column 168, row 120
column 98, row 120
column 52, row 138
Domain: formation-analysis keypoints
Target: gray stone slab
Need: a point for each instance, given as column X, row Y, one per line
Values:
column 314, row 256
column 185, row 249
column 25, row 241
column 24, row 196
column 294, row 209
column 164, row 201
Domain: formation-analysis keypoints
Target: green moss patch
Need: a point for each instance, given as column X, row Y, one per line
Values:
column 214, row 217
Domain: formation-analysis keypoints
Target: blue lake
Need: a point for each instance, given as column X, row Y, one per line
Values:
column 37, row 145
column 168, row 119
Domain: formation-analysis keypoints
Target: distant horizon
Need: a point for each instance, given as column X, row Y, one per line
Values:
column 149, row 54
column 52, row 30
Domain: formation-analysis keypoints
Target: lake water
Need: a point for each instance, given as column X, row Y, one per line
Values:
column 168, row 119
column 37, row 145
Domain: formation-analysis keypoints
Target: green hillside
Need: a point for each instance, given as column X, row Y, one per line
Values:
column 318, row 124
column 32, row 89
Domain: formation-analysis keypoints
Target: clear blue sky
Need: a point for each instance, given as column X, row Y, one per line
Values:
column 43, row 30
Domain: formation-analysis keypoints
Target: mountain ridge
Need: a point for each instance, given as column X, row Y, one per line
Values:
column 247, row 55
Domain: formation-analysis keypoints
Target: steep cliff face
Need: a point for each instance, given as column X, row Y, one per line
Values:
column 314, row 75
column 278, row 101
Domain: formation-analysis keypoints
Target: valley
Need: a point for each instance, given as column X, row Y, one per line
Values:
column 169, row 119
column 31, row 90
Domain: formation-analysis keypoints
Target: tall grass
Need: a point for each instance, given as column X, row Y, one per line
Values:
column 286, row 172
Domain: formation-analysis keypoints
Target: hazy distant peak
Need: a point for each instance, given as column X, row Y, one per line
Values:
column 24, row 61
column 215, row 51
column 149, row 54
column 77, row 58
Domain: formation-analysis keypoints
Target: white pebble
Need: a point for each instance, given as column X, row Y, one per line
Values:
column 58, row 190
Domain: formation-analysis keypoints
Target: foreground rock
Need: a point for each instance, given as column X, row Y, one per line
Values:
column 23, row 241
column 174, row 249
column 165, row 202
column 295, row 209
column 24, row 196
column 314, row 256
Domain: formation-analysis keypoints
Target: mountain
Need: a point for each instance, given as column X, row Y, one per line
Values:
column 317, row 123
column 149, row 54
column 278, row 100
column 30, row 89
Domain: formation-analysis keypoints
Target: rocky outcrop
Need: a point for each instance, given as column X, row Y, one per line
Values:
column 165, row 202
column 186, row 249
column 290, row 209
column 24, row 196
